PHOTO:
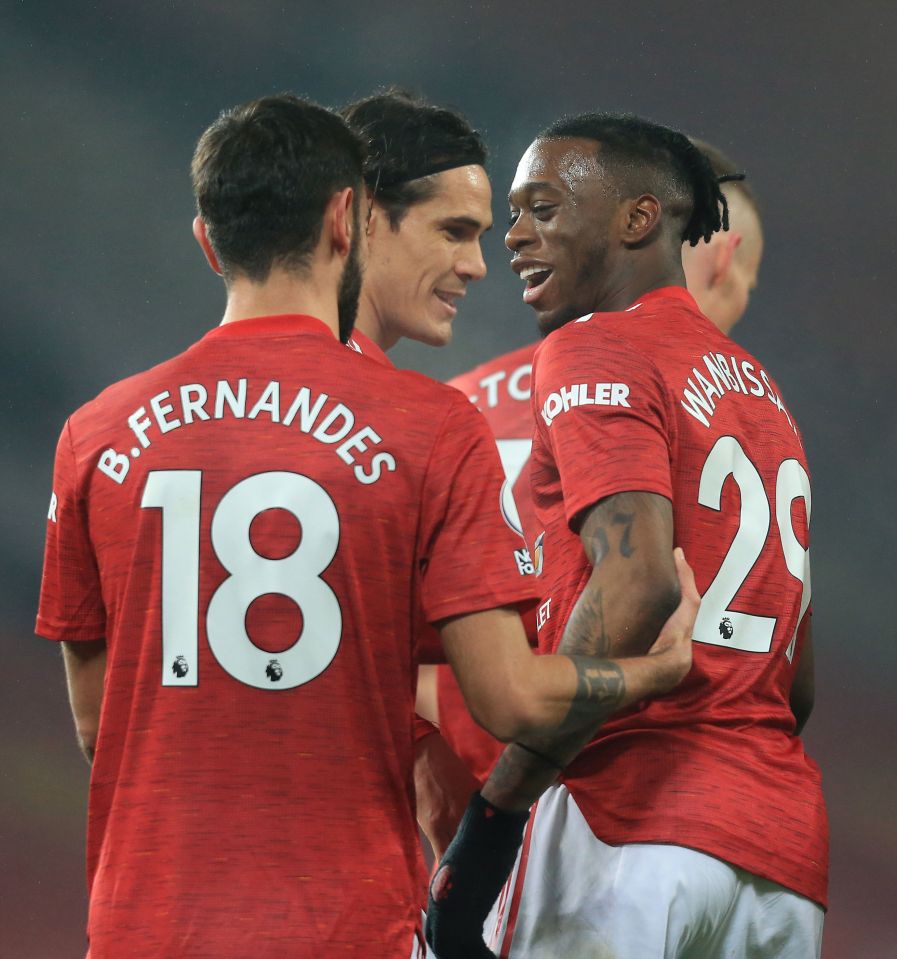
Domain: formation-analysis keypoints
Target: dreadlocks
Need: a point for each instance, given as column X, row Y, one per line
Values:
column 644, row 157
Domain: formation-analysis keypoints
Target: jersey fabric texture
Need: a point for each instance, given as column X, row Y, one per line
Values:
column 655, row 399
column 501, row 391
column 253, row 526
column 429, row 644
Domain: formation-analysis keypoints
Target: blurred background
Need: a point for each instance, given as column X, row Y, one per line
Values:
column 102, row 103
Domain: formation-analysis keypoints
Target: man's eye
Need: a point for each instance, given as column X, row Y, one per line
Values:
column 513, row 217
column 541, row 211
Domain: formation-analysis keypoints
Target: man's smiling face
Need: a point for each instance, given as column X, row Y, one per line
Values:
column 562, row 210
column 417, row 272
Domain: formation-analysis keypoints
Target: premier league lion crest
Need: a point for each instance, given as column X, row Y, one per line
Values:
column 274, row 671
column 179, row 667
column 726, row 629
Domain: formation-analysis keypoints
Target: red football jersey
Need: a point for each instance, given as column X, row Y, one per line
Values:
column 654, row 398
column 501, row 390
column 253, row 526
column 428, row 636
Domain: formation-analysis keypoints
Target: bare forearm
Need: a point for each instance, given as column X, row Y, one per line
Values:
column 443, row 785
column 528, row 767
column 531, row 765
column 85, row 667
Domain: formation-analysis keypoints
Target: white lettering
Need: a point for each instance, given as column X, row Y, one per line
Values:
column 619, row 393
column 725, row 378
column 720, row 383
column 515, row 390
column 193, row 407
column 384, row 460
column 692, row 399
column 605, row 394
column 53, row 503
column 160, row 411
column 544, row 614
column 269, row 401
column 569, row 396
column 490, row 384
column 140, row 426
column 114, row 465
column 348, row 422
column 724, row 369
column 225, row 394
column 552, row 407
column 747, row 369
column 709, row 389
column 307, row 414
column 358, row 441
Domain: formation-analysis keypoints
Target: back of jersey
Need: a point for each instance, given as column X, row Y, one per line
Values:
column 250, row 526
column 671, row 406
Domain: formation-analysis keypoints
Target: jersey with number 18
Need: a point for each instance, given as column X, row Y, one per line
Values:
column 253, row 526
column 656, row 399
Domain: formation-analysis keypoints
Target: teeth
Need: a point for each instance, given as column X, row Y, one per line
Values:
column 530, row 271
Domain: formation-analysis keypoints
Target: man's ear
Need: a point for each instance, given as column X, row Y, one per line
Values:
column 202, row 238
column 339, row 213
column 641, row 219
column 726, row 246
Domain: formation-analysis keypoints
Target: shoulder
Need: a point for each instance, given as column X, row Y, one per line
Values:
column 594, row 342
column 119, row 397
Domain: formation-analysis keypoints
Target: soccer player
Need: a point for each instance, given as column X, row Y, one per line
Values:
column 238, row 542
column 429, row 203
column 720, row 273
column 693, row 825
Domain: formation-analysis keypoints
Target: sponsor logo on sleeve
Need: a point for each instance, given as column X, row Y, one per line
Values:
column 524, row 562
column 583, row 394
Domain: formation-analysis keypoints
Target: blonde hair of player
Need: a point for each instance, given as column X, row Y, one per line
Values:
column 722, row 273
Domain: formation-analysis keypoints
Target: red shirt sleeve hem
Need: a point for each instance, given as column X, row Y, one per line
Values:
column 52, row 631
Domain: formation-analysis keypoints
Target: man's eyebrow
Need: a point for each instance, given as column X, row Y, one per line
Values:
column 529, row 185
column 470, row 221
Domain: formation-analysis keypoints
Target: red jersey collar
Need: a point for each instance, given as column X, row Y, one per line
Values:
column 665, row 293
column 284, row 324
column 367, row 347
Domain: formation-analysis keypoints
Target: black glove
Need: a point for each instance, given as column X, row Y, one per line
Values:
column 473, row 870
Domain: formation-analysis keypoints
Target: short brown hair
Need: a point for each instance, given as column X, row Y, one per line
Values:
column 263, row 174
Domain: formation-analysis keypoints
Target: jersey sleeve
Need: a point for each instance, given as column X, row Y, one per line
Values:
column 600, row 407
column 470, row 559
column 71, row 604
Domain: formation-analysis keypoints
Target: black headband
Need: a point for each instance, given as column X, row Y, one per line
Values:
column 416, row 171
column 731, row 177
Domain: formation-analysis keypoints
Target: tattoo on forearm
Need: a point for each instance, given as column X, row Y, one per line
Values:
column 585, row 633
column 599, row 691
column 626, row 520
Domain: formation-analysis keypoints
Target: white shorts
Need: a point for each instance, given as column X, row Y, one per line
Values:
column 571, row 895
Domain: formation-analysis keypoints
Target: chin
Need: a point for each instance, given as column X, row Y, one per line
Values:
column 551, row 320
column 436, row 335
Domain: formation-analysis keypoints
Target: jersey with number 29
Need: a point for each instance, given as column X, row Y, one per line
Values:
column 656, row 399
column 253, row 526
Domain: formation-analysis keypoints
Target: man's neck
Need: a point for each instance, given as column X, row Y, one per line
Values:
column 281, row 293
column 370, row 322
column 631, row 287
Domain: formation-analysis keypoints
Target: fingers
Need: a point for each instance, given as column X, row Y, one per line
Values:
column 686, row 578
